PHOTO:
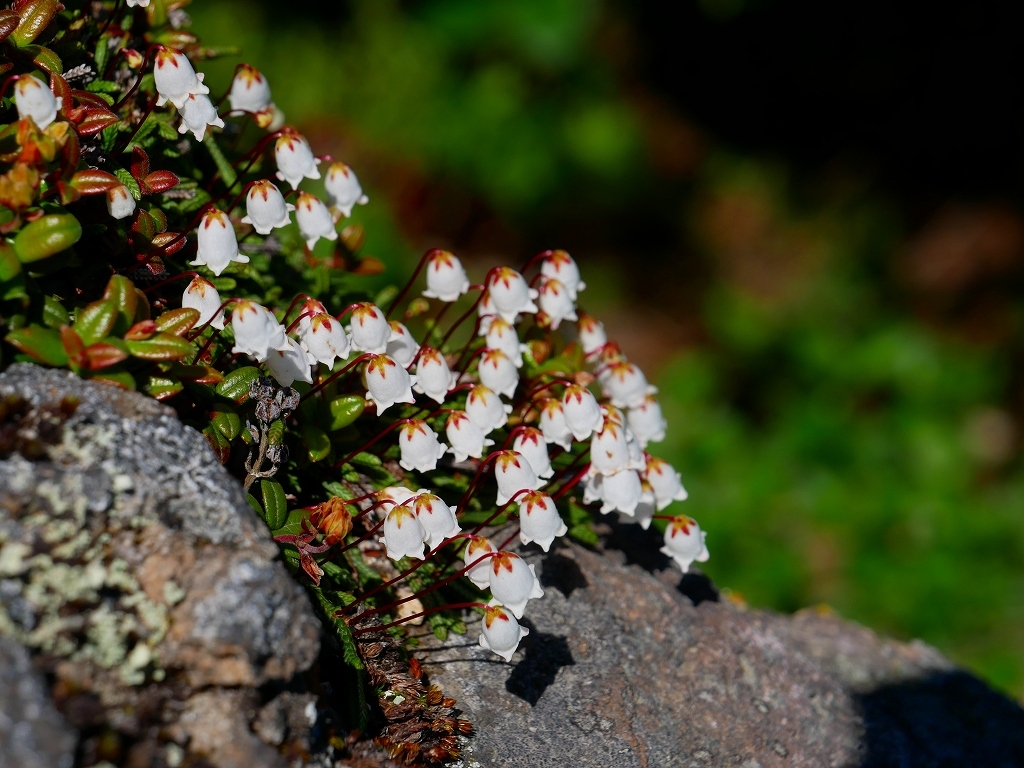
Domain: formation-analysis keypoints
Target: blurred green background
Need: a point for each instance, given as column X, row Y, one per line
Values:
column 815, row 246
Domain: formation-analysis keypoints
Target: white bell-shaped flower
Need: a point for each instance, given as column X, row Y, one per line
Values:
column 582, row 412
column 197, row 114
column 665, row 481
column 513, row 474
column 175, row 79
column 265, row 207
column 497, row 372
column 592, row 489
column 477, row 562
column 556, row 302
column 552, row 424
column 626, row 385
column 560, row 266
column 621, row 492
column 250, row 91
column 324, row 338
column 446, row 279
column 591, row 333
column 404, row 534
column 502, row 335
column 387, row 383
column 539, row 520
column 33, row 98
column 201, row 295
column 684, row 542
column 402, row 347
column 486, row 311
column 510, row 293
column 647, row 422
column 217, row 245
column 436, row 517
column 513, row 582
column 137, row 3
column 343, row 189
column 486, row 410
column 637, row 457
column 530, row 443
column 644, row 512
column 295, row 160
column 465, row 437
column 395, row 494
column 314, row 219
column 433, row 377
column 290, row 364
column 419, row 446
column 120, row 203
column 369, row 329
column 609, row 450
column 500, row 633
column 256, row 331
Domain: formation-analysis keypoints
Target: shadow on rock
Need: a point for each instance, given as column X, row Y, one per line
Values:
column 545, row 655
column 562, row 573
column 941, row 721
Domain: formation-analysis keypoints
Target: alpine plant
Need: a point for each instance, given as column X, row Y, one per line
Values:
column 403, row 448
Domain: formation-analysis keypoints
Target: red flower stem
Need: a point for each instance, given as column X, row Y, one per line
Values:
column 373, row 440
column 294, row 323
column 296, row 300
column 425, row 345
column 138, row 80
column 462, row 366
column 462, row 319
column 465, row 349
column 223, row 305
column 665, row 517
column 206, row 346
column 346, row 310
column 174, row 279
column 508, row 541
column 475, row 482
column 110, row 18
column 534, row 260
column 427, row 612
column 516, row 431
column 572, row 482
column 408, row 284
column 557, row 380
column 253, row 153
column 151, row 104
column 362, row 358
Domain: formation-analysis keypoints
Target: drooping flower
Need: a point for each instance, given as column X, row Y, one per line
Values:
column 402, row 347
column 539, row 520
column 387, row 383
column 486, row 311
column 324, row 338
column 314, row 219
column 175, row 79
column 217, row 245
column 197, row 114
column 476, row 561
column 295, row 159
column 201, row 295
column 290, row 364
column 555, row 302
column 560, row 266
column 609, row 450
column 369, row 329
column 34, row 99
column 510, row 293
column 250, row 91
column 486, row 410
column 531, row 444
column 552, row 424
column 502, row 335
column 582, row 412
column 120, row 203
column 404, row 534
column 396, row 494
column 621, row 491
column 446, row 279
column 684, row 542
column 500, row 633
column 644, row 512
column 466, row 438
column 137, row 3
column 265, row 207
column 626, row 385
column 591, row 333
column 513, row 474
column 433, row 377
column 497, row 372
column 419, row 446
column 647, row 421
column 256, row 331
column 665, row 481
column 436, row 517
column 343, row 189
column 513, row 582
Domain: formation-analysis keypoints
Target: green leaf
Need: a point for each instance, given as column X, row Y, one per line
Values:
column 35, row 15
column 45, row 59
column 177, row 321
column 227, row 421
column 220, row 445
column 235, row 385
column 275, row 433
column 349, row 649
column 227, row 172
column 43, row 345
column 366, row 460
column 344, row 411
column 95, row 321
column 317, row 443
column 46, row 236
column 122, row 379
column 101, row 54
column 162, row 347
column 10, row 267
column 129, row 181
column 122, row 292
column 255, row 505
column 162, row 387
column 274, row 503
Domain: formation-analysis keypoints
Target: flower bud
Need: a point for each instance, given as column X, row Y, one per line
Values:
column 497, row 372
column 582, row 412
column 531, row 444
column 502, row 335
column 555, row 302
column 436, row 517
column 466, row 438
column 250, row 91
column 433, row 377
column 486, row 410
column 34, row 99
column 684, row 542
column 343, row 190
column 647, row 421
column 256, row 331
column 333, row 519
column 294, row 159
column 513, row 474
column 175, row 79
column 539, row 520
column 560, row 266
column 446, row 279
column 510, row 293
column 591, row 333
column 404, row 535
column 419, row 446
column 387, row 383
column 609, row 450
column 500, row 633
column 402, row 347
column 218, row 245
column 198, row 114
column 265, row 207
column 369, row 329
column 120, row 203
column 290, row 364
column 626, row 385
column 552, row 424
column 621, row 491
column 513, row 582
column 665, row 482
column 479, row 566
column 201, row 295
column 324, row 338
column 314, row 219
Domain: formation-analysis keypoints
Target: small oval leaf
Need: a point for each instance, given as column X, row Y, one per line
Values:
column 162, row 347
column 345, row 410
column 95, row 321
column 235, row 385
column 275, row 505
column 34, row 15
column 177, row 321
column 46, row 236
column 41, row 344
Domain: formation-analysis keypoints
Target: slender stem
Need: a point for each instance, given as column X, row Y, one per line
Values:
column 138, row 79
column 174, row 279
column 362, row 358
column 427, row 612
column 373, row 440
column 408, row 283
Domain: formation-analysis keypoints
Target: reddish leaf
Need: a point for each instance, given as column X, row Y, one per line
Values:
column 94, row 120
column 35, row 15
column 102, row 355
column 178, row 321
column 309, row 565
column 94, row 182
column 144, row 225
column 162, row 347
column 200, row 374
column 9, row 21
column 158, row 181
column 46, row 60
column 71, row 154
column 164, row 241
column 73, row 345
column 140, row 164
column 68, row 194
column 60, row 88
column 89, row 99
column 220, row 445
column 42, row 344
column 141, row 331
